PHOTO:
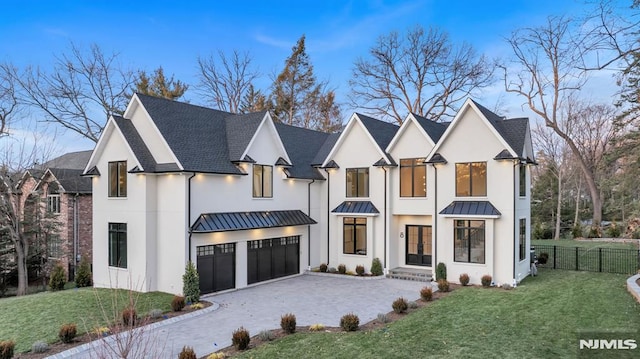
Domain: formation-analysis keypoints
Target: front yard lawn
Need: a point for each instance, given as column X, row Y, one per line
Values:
column 39, row 316
column 539, row 319
column 585, row 243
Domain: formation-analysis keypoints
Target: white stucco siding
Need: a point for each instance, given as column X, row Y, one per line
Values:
column 472, row 140
column 357, row 151
column 412, row 143
column 151, row 136
column 130, row 210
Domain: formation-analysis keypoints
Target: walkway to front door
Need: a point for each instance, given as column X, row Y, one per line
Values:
column 418, row 245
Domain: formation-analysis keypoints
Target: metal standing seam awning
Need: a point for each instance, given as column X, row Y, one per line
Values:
column 356, row 207
column 479, row 209
column 239, row 221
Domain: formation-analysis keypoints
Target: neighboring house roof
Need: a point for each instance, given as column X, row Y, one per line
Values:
column 482, row 209
column 356, row 207
column 71, row 181
column 236, row 221
column 72, row 160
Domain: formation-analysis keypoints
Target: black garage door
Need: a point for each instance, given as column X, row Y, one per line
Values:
column 217, row 267
column 272, row 258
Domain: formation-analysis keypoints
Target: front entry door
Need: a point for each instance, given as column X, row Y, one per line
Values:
column 418, row 245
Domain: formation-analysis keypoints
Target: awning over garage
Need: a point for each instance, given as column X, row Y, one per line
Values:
column 357, row 207
column 238, row 221
column 480, row 209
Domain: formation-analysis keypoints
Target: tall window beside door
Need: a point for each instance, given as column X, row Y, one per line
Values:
column 413, row 177
column 118, row 179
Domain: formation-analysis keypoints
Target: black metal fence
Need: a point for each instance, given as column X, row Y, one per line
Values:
column 597, row 259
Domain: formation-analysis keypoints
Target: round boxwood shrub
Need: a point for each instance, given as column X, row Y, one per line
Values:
column 486, row 280
column 399, row 305
column 187, row 353
column 67, row 332
column 177, row 303
column 426, row 293
column 443, row 285
column 240, row 338
column 342, row 269
column 323, row 267
column 349, row 322
column 464, row 279
column 360, row 269
column 288, row 323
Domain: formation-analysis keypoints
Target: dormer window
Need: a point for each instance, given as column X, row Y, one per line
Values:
column 262, row 181
column 357, row 182
column 118, row 179
column 53, row 199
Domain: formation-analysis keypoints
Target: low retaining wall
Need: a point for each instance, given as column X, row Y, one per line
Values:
column 633, row 287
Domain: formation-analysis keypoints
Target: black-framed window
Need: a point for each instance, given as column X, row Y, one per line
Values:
column 471, row 179
column 118, row 245
column 355, row 235
column 118, row 179
column 523, row 180
column 522, row 238
column 262, row 181
column 413, row 177
column 53, row 203
column 469, row 241
column 357, row 182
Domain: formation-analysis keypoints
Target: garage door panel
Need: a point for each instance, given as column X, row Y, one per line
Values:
column 272, row 258
column 205, row 273
column 216, row 267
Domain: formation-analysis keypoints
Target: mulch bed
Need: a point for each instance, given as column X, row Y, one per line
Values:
column 255, row 342
column 88, row 337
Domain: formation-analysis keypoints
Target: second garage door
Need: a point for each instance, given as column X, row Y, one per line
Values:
column 272, row 258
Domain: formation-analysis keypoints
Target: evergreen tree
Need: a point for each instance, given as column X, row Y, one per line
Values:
column 191, row 284
column 158, row 85
column 254, row 101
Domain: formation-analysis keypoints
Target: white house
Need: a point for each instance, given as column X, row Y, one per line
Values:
column 249, row 200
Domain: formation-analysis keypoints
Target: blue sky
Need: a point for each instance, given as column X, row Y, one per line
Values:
column 174, row 33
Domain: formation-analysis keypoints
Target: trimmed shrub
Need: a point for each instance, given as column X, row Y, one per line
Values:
column 360, row 269
column 399, row 305
column 58, row 278
column 426, row 293
column 486, row 280
column 129, row 316
column 177, row 303
column 443, row 285
column 288, row 323
column 383, row 318
column 464, row 279
column 39, row 347
column 614, row 230
column 342, row 269
column 266, row 336
column 412, row 305
column 332, row 270
column 83, row 275
column 187, row 353
column 595, row 232
column 316, row 327
column 219, row 355
column 323, row 267
column 6, row 349
column 191, row 284
column 507, row 286
column 376, row 267
column 67, row 332
column 155, row 313
column 441, row 271
column 349, row 322
column 543, row 258
column 576, row 231
column 241, row 338
column 196, row 306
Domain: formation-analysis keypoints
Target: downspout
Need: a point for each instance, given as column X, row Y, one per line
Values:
column 76, row 243
column 189, row 211
column 515, row 236
column 309, row 226
column 385, row 218
column 435, row 215
column 328, row 212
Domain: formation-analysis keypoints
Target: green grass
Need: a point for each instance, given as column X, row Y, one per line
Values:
column 39, row 316
column 583, row 244
column 539, row 319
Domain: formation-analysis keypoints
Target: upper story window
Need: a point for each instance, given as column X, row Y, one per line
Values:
column 53, row 203
column 262, row 181
column 357, row 182
column 118, row 179
column 523, row 181
column 471, row 179
column 413, row 177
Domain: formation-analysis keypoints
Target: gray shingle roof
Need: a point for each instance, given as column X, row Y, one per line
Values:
column 471, row 208
column 71, row 180
column 72, row 160
column 196, row 135
column 382, row 132
column 435, row 130
column 237, row 221
column 302, row 146
column 325, row 149
column 139, row 148
column 240, row 130
column 512, row 130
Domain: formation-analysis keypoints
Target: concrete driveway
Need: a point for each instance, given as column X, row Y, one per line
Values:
column 313, row 299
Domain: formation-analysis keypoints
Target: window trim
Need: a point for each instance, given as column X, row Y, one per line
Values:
column 118, row 231
column 522, row 180
column 357, row 170
column 415, row 163
column 470, row 167
column 522, row 239
column 357, row 223
column 121, row 178
column 53, row 203
column 467, row 228
column 261, row 193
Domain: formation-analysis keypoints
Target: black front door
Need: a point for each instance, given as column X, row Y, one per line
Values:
column 418, row 240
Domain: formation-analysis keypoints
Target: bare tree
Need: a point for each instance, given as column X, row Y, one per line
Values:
column 81, row 92
column 547, row 68
column 420, row 72
column 225, row 80
column 8, row 97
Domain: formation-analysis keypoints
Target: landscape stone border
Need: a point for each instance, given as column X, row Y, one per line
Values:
column 321, row 274
column 633, row 287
